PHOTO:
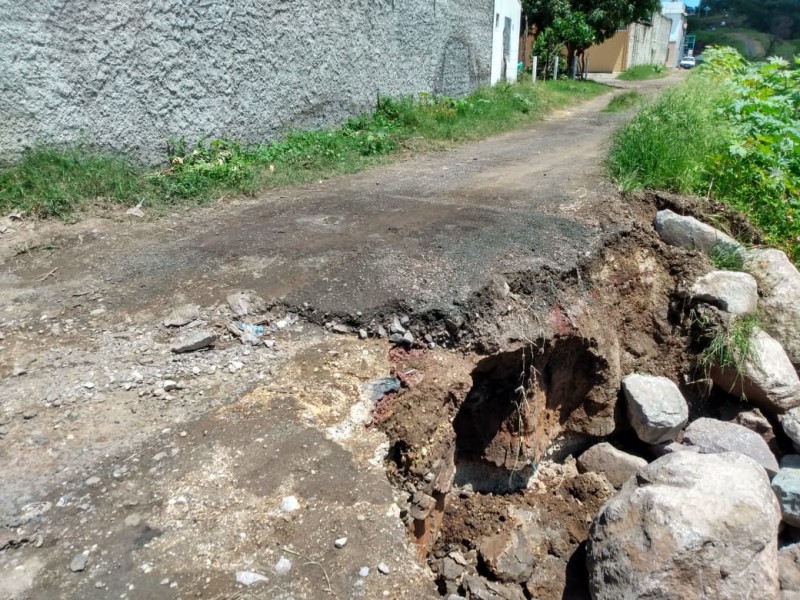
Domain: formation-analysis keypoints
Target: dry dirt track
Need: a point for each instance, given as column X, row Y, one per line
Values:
column 190, row 486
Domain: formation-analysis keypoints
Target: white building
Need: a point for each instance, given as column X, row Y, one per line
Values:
column 505, row 40
column 676, row 12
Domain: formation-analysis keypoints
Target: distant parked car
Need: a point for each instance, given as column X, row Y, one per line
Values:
column 687, row 62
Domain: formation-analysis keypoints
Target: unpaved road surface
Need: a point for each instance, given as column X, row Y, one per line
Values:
column 167, row 474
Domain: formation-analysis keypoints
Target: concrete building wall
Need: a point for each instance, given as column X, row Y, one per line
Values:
column 649, row 43
column 611, row 56
column 505, row 40
column 638, row 44
column 130, row 74
column 676, row 13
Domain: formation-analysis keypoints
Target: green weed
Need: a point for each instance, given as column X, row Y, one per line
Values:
column 624, row 102
column 726, row 258
column 643, row 72
column 732, row 345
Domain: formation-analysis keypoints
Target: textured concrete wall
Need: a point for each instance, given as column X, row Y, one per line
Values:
column 649, row 44
column 130, row 74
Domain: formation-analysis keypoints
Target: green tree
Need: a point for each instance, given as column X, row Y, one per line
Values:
column 779, row 18
column 577, row 35
column 607, row 16
column 580, row 23
column 544, row 12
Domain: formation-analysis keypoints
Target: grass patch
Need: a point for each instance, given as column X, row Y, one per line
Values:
column 731, row 345
column 56, row 182
column 643, row 72
column 49, row 182
column 661, row 148
column 726, row 258
column 624, row 102
column 787, row 48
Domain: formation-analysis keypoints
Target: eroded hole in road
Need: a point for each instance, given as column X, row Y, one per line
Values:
column 519, row 411
column 468, row 438
column 484, row 445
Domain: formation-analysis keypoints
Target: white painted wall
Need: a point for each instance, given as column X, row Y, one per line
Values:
column 676, row 12
column 505, row 9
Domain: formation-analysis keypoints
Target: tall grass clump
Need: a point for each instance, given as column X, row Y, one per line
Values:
column 662, row 147
column 643, row 72
column 731, row 345
column 53, row 182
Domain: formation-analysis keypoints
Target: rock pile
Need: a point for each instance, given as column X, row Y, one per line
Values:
column 703, row 520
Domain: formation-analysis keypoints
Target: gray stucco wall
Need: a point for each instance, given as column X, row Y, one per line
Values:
column 649, row 44
column 130, row 74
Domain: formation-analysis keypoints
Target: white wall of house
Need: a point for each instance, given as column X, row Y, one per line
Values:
column 676, row 12
column 505, row 40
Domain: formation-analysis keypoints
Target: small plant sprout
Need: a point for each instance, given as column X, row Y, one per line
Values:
column 731, row 345
column 725, row 257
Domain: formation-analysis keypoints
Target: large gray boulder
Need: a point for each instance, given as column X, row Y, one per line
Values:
column 616, row 465
column 710, row 436
column 753, row 419
column 688, row 232
column 656, row 408
column 735, row 293
column 508, row 555
column 779, row 282
column 787, row 488
column 688, row 526
column 768, row 377
column 790, row 422
column 789, row 567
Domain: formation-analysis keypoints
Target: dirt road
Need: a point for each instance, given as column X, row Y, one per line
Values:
column 130, row 471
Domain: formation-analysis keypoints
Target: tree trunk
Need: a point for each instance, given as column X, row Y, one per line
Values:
column 571, row 57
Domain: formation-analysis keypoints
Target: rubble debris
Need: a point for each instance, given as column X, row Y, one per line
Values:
column 378, row 388
column 183, row 315
column 192, row 342
column 79, row 562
